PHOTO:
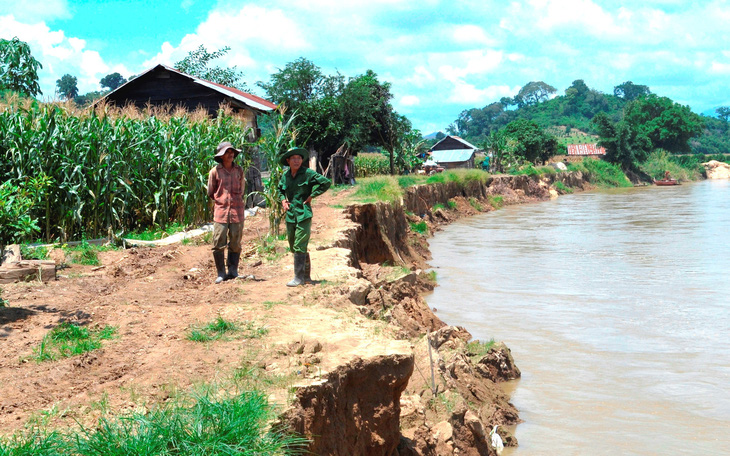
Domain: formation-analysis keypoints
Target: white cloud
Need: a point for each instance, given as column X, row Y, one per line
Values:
column 35, row 10
column 248, row 27
column 466, row 93
column 60, row 55
column 472, row 35
column 473, row 62
column 410, row 100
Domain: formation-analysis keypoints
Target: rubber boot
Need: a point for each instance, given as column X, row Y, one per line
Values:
column 233, row 258
column 299, row 259
column 307, row 278
column 220, row 265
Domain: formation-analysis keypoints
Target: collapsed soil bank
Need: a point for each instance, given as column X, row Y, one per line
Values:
column 441, row 398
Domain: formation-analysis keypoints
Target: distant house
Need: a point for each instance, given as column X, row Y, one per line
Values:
column 585, row 149
column 162, row 85
column 454, row 152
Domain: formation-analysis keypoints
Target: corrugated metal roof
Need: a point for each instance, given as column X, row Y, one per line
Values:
column 452, row 156
column 247, row 99
column 463, row 141
column 585, row 149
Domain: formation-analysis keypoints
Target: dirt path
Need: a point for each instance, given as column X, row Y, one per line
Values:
column 153, row 297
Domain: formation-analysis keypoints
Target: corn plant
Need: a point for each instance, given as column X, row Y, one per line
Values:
column 277, row 141
column 106, row 170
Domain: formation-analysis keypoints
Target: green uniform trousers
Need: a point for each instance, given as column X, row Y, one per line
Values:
column 298, row 234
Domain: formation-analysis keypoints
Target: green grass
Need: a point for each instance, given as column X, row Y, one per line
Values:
column 221, row 328
column 451, row 204
column 206, row 424
column 602, row 173
column 561, row 187
column 68, row 339
column 496, row 201
column 437, row 206
column 154, row 233
column 419, row 227
column 29, row 252
column 374, row 189
column 476, row 349
column 475, row 204
column 85, row 253
column 531, row 170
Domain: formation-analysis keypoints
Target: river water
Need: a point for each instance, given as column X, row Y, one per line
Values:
column 615, row 305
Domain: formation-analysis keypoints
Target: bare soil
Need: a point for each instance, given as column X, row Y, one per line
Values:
column 154, row 297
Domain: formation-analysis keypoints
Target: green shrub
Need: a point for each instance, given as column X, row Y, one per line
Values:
column 475, row 204
column 420, row 227
column 452, row 204
column 437, row 206
column 660, row 161
column 29, row 252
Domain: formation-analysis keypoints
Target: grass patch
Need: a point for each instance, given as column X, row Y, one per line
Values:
column 437, row 206
column 221, row 328
column 203, row 425
column 267, row 249
column 451, row 204
column 602, row 173
column 419, row 227
column 562, row 188
column 155, row 233
column 476, row 349
column 496, row 201
column 29, row 252
column 68, row 339
column 374, row 189
column 475, row 204
column 85, row 253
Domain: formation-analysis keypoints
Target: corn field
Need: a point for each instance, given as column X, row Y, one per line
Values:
column 368, row 165
column 103, row 171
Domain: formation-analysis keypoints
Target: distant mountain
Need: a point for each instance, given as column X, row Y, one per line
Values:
column 433, row 135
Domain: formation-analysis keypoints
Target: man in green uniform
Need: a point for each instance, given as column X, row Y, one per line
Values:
column 297, row 187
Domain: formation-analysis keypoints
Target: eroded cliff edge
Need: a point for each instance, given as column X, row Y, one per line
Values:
column 441, row 396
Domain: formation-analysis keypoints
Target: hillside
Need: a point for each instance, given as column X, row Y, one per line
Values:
column 569, row 115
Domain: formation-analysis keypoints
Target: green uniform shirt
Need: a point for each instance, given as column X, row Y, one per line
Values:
column 297, row 189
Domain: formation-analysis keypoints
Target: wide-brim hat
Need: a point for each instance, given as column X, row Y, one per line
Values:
column 222, row 149
column 293, row 151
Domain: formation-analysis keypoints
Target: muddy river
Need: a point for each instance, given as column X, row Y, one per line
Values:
column 616, row 305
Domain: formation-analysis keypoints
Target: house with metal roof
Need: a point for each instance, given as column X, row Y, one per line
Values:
column 163, row 85
column 453, row 152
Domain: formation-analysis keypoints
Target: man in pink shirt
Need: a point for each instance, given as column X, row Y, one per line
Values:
column 226, row 186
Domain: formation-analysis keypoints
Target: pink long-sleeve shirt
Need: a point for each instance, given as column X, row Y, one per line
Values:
column 226, row 188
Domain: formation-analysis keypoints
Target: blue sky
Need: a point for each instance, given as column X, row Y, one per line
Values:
column 441, row 57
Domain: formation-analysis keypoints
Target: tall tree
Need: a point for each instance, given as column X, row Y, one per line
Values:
column 112, row 81
column 197, row 62
column 667, row 124
column 18, row 68
column 630, row 91
column 67, row 87
column 531, row 142
column 624, row 144
column 534, row 92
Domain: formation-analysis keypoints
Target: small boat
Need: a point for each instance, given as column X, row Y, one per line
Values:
column 666, row 182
